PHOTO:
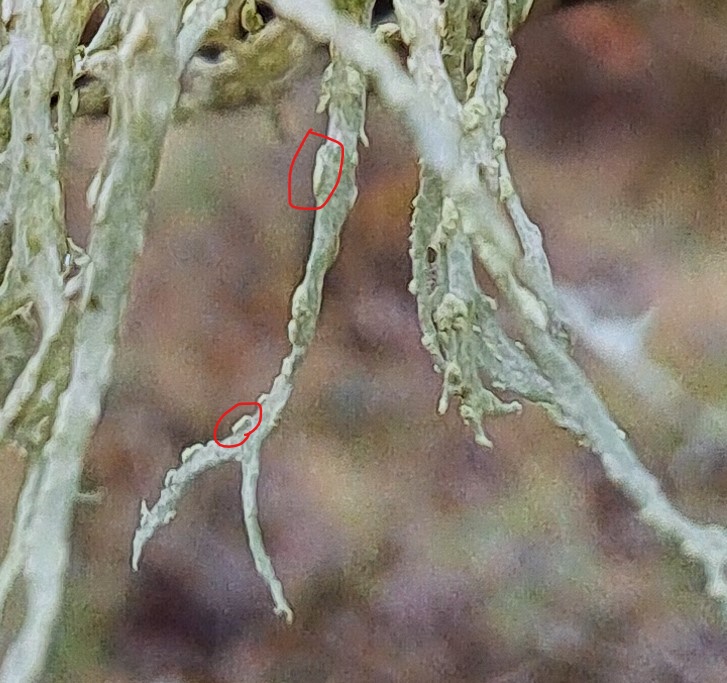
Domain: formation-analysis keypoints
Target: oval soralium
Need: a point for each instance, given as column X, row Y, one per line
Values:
column 247, row 434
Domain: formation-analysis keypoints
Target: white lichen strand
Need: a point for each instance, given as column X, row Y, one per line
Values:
column 195, row 460
column 344, row 95
column 455, row 19
column 523, row 282
column 33, row 201
column 143, row 98
column 446, row 303
column 436, row 140
column 484, row 112
column 424, row 285
column 467, row 208
column 199, row 17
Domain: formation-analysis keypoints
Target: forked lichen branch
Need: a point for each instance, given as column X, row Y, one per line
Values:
column 61, row 308
column 344, row 98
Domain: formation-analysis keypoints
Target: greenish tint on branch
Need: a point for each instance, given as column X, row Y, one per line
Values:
column 77, row 299
column 344, row 98
column 61, row 308
column 480, row 217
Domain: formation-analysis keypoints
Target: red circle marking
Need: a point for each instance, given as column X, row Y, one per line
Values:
column 247, row 434
column 292, row 164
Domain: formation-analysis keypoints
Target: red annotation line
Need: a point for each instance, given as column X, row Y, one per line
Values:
column 247, row 434
column 292, row 164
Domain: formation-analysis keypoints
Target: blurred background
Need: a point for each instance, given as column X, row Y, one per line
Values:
column 407, row 552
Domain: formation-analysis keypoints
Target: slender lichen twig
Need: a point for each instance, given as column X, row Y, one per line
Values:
column 500, row 237
column 344, row 97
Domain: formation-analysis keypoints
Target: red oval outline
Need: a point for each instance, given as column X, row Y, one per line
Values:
column 247, row 434
column 292, row 164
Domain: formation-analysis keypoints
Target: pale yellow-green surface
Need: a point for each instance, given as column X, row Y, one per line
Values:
column 407, row 552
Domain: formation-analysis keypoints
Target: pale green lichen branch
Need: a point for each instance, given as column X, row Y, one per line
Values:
column 199, row 17
column 437, row 140
column 32, row 289
column 586, row 416
column 508, row 245
column 454, row 313
column 455, row 42
column 425, row 284
column 32, row 204
column 446, row 299
column 144, row 94
column 251, row 68
column 344, row 97
column 482, row 117
column 580, row 410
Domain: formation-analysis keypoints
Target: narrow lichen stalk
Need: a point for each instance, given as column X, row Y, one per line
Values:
column 199, row 17
column 32, row 294
column 508, row 246
column 575, row 404
column 436, row 139
column 144, row 93
column 37, row 56
column 425, row 284
column 455, row 42
column 252, row 68
column 344, row 97
column 442, row 264
column 33, row 204
column 456, row 313
column 483, row 114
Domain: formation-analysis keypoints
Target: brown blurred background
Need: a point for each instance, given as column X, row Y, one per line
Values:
column 407, row 552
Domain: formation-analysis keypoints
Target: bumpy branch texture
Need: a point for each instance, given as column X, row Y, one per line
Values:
column 344, row 97
column 458, row 146
column 466, row 210
column 61, row 307
column 76, row 299
column 229, row 71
